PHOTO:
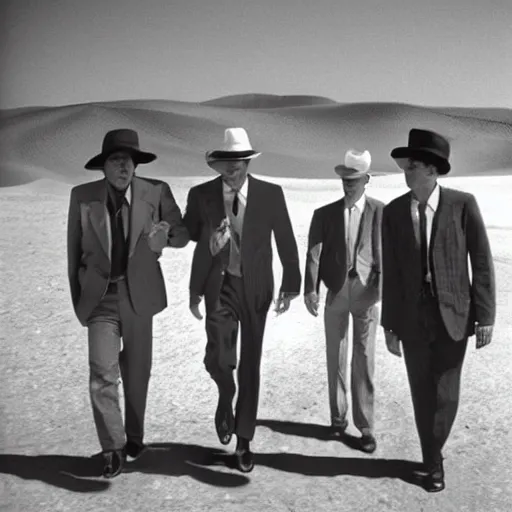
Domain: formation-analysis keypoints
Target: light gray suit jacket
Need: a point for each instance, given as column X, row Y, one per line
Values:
column 89, row 245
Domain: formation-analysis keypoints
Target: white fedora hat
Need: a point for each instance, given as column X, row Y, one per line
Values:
column 356, row 164
column 236, row 147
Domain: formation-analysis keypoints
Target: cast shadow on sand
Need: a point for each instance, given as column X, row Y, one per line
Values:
column 331, row 466
column 83, row 474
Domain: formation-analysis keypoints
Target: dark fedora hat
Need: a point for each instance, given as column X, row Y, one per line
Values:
column 122, row 139
column 428, row 147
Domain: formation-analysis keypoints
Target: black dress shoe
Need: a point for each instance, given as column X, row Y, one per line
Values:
column 224, row 421
column 338, row 429
column 244, row 458
column 134, row 449
column 368, row 443
column 113, row 463
column 434, row 481
column 420, row 473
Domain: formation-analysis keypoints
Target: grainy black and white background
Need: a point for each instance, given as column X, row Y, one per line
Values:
column 307, row 80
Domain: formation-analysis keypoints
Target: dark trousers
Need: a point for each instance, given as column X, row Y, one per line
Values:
column 114, row 320
column 221, row 352
column 434, row 364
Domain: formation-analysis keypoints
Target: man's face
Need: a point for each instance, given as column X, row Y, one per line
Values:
column 119, row 169
column 354, row 188
column 418, row 175
column 233, row 172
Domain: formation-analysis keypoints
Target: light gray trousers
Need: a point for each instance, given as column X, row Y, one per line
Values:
column 353, row 299
column 113, row 320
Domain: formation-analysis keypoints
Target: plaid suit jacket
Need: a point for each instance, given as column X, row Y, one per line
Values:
column 458, row 231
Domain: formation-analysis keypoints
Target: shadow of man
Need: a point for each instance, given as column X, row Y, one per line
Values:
column 78, row 474
column 332, row 466
column 310, row 465
column 73, row 473
column 176, row 459
column 311, row 430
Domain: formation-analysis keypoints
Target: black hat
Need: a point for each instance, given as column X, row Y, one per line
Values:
column 426, row 146
column 120, row 140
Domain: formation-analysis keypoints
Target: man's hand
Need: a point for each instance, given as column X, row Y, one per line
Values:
column 283, row 302
column 483, row 335
column 157, row 238
column 311, row 300
column 393, row 343
column 194, row 302
column 220, row 237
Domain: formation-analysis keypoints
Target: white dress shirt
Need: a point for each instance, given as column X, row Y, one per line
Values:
column 430, row 210
column 229, row 196
column 356, row 212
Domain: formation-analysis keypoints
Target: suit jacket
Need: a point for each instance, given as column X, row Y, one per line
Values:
column 89, row 245
column 326, row 257
column 265, row 213
column 458, row 231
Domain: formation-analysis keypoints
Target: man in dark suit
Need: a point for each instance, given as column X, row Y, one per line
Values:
column 430, row 306
column 344, row 252
column 232, row 219
column 117, row 229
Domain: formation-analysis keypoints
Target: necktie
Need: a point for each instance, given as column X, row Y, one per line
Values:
column 351, row 240
column 119, row 243
column 423, row 239
column 234, row 209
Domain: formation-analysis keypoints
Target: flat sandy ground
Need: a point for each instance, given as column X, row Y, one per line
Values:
column 48, row 435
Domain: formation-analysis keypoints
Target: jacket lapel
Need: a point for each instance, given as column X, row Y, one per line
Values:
column 410, row 241
column 100, row 219
column 365, row 224
column 252, row 201
column 138, row 212
column 441, row 217
column 337, row 231
column 215, row 203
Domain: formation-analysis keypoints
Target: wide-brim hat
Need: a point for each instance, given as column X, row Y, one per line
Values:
column 122, row 139
column 426, row 146
column 356, row 165
column 236, row 147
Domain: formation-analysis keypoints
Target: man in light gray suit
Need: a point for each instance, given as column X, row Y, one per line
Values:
column 344, row 252
column 117, row 229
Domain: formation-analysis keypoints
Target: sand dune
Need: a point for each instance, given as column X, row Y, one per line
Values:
column 268, row 101
column 300, row 136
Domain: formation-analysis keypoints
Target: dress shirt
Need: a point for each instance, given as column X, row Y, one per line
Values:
column 432, row 204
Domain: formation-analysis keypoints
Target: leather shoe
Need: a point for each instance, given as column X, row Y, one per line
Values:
column 368, row 443
column 113, row 463
column 338, row 429
column 244, row 458
column 224, row 421
column 134, row 449
column 434, row 481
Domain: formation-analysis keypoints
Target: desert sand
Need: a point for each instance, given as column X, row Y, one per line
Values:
column 48, row 437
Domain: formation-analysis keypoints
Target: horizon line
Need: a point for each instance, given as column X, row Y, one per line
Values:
column 262, row 95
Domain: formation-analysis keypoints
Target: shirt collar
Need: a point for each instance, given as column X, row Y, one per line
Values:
column 244, row 189
column 128, row 194
column 433, row 200
column 360, row 203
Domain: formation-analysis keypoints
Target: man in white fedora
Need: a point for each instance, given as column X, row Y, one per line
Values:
column 232, row 218
column 344, row 253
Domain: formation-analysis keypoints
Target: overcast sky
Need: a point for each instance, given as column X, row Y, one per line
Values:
column 435, row 52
